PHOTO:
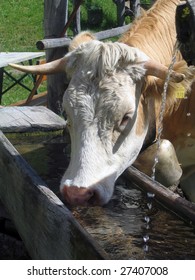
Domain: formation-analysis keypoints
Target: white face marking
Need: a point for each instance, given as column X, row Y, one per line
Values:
column 102, row 118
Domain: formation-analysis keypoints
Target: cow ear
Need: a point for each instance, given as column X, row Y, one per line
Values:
column 81, row 38
column 188, row 73
column 155, row 86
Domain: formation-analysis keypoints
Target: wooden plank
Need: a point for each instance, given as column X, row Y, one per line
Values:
column 27, row 119
column 46, row 226
column 173, row 201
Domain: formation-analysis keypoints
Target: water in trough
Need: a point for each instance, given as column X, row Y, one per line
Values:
column 129, row 227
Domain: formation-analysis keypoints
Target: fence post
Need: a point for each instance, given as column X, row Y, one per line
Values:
column 54, row 20
column 135, row 7
column 120, row 11
column 77, row 20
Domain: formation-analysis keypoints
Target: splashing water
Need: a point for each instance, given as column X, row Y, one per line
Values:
column 163, row 106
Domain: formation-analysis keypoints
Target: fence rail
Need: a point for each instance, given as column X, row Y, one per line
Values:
column 46, row 44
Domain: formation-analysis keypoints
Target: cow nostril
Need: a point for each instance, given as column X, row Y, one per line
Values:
column 79, row 196
column 94, row 199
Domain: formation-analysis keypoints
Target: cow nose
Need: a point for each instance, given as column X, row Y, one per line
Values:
column 79, row 196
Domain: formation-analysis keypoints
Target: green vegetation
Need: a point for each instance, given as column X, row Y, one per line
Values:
column 109, row 19
column 21, row 26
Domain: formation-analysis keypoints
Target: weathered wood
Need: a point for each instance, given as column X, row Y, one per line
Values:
column 46, row 44
column 135, row 6
column 46, row 226
column 77, row 19
column 120, row 12
column 54, row 20
column 112, row 32
column 17, row 57
column 173, row 201
column 75, row 12
column 34, row 90
column 64, row 42
column 28, row 119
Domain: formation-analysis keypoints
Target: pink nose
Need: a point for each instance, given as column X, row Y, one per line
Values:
column 79, row 196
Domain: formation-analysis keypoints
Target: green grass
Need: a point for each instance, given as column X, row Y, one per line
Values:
column 21, row 26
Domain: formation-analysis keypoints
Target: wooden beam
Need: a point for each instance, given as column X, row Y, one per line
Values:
column 46, row 226
column 64, row 42
column 169, row 199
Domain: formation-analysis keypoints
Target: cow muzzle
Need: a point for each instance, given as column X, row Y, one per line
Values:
column 81, row 196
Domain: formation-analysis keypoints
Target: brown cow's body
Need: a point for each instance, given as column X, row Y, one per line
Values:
column 155, row 34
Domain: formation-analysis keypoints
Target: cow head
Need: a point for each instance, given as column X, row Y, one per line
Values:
column 107, row 116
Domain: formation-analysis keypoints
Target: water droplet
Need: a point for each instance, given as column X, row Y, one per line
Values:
column 146, row 248
column 147, row 226
column 188, row 114
column 188, row 134
column 147, row 219
column 150, row 195
column 149, row 206
column 146, row 238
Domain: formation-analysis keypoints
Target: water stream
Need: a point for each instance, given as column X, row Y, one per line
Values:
column 150, row 196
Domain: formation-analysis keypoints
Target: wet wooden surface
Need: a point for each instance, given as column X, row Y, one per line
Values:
column 168, row 198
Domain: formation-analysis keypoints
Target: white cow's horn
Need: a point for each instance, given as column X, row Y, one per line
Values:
column 160, row 71
column 55, row 66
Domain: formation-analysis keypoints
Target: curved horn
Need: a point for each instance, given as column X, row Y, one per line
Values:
column 160, row 71
column 55, row 66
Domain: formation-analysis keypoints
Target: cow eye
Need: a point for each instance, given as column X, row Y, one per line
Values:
column 124, row 122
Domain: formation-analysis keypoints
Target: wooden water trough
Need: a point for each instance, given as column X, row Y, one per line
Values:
column 47, row 228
